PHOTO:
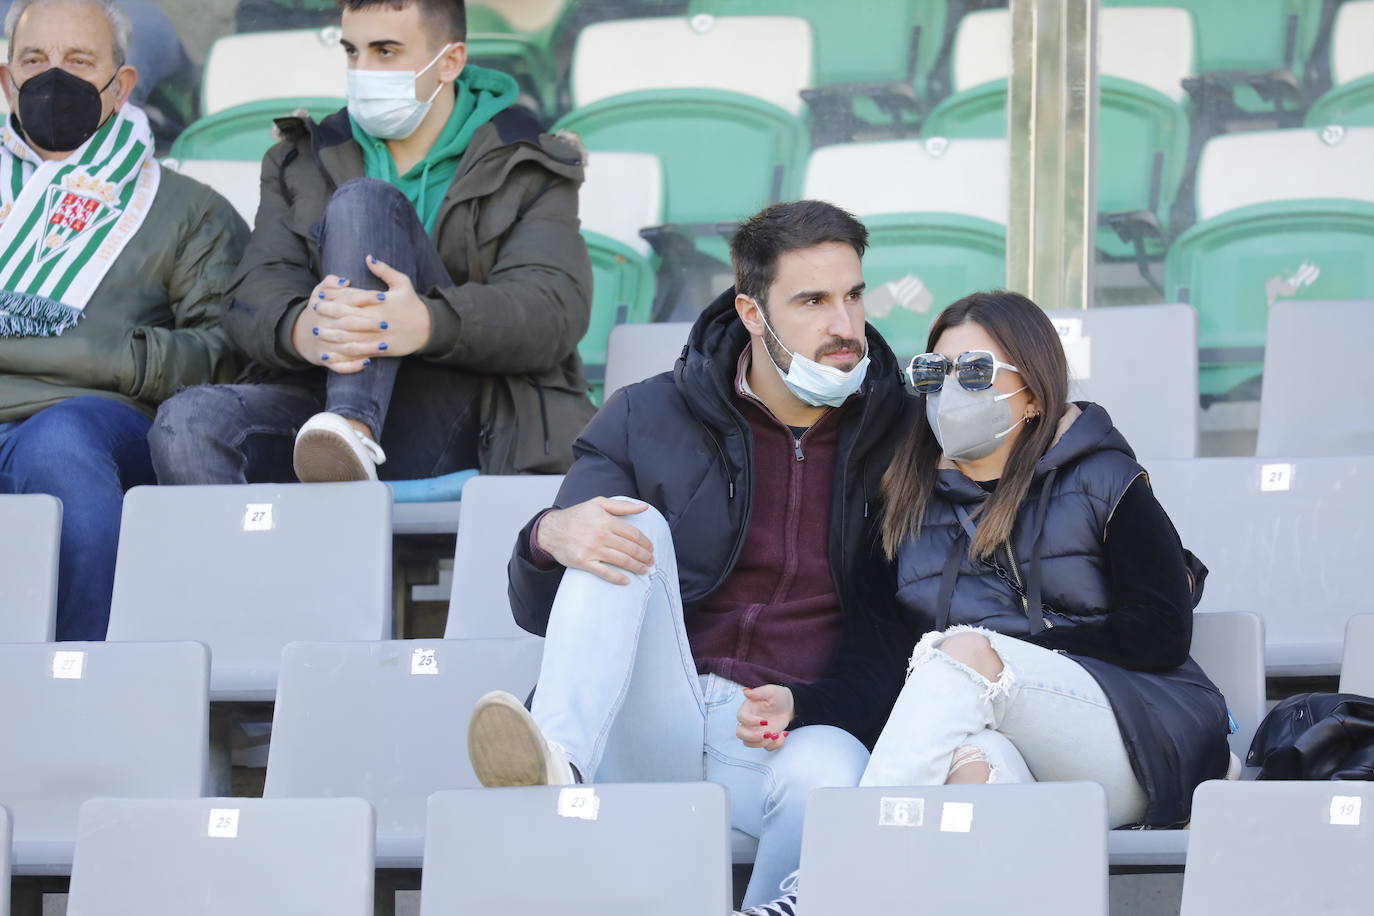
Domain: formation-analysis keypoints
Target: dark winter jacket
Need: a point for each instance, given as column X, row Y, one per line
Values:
column 507, row 231
column 1172, row 717
column 678, row 442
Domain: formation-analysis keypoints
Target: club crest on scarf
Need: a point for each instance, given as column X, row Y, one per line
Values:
column 83, row 204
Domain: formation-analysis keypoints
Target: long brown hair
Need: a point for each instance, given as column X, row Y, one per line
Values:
column 1027, row 340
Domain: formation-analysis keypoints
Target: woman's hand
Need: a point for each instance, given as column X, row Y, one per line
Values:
column 763, row 716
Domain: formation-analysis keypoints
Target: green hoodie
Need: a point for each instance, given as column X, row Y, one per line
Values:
column 482, row 94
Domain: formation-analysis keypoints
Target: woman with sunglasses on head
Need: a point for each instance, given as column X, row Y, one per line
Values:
column 1055, row 596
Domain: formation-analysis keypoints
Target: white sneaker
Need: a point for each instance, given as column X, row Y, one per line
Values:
column 507, row 748
column 1233, row 769
column 328, row 450
column 786, row 905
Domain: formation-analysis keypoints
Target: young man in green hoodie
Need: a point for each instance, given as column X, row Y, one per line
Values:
column 415, row 281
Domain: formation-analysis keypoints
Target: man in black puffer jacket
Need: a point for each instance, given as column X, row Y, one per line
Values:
column 709, row 581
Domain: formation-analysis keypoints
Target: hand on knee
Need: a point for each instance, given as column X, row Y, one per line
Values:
column 973, row 650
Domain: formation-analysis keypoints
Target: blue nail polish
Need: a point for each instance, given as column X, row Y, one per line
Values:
column 324, row 356
column 385, row 325
column 370, row 259
column 315, row 331
column 367, row 362
column 321, row 295
column 381, row 297
column 381, row 346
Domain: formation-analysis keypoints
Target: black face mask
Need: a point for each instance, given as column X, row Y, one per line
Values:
column 59, row 112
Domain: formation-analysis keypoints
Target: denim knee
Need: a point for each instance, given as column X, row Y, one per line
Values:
column 74, row 429
column 650, row 521
column 186, row 419
column 363, row 198
column 816, row 757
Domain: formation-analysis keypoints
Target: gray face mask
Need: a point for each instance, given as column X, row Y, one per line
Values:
column 969, row 424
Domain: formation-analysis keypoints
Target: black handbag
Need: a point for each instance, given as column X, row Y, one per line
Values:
column 1316, row 736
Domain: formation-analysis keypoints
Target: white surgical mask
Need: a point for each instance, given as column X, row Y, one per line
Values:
column 383, row 102
column 969, row 424
column 814, row 383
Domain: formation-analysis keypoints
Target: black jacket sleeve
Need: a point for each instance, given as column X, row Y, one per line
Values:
column 1150, row 625
column 601, row 467
column 859, row 689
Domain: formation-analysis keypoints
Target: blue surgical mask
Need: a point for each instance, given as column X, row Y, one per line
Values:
column 816, row 384
column 383, row 102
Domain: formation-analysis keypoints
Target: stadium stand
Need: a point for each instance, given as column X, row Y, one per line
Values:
column 858, row 847
column 494, row 511
column 623, row 193
column 1146, row 53
column 1251, row 841
column 1303, row 231
column 1284, row 539
column 28, row 566
column 1357, row 664
column 96, row 719
column 1306, row 339
column 223, row 857
column 934, row 236
column 237, row 180
column 386, row 721
column 585, row 850
column 1350, row 101
column 232, row 567
column 636, row 352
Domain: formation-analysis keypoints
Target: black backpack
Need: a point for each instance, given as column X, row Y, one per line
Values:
column 1316, row 736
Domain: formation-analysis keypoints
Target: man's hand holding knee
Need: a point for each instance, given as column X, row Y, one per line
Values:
column 345, row 328
column 763, row 715
column 590, row 536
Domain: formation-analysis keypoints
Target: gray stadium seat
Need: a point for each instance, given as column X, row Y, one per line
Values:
column 638, row 351
column 494, row 511
column 1230, row 648
column 1277, row 848
column 862, row 848
column 1357, row 664
column 1140, row 363
column 223, row 857
column 1284, row 538
column 578, row 851
column 1321, row 344
column 387, row 721
column 29, row 534
column 6, row 831
column 248, row 569
column 83, row 720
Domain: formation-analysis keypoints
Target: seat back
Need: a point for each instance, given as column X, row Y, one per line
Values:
column 1283, row 539
column 1272, row 848
column 246, row 132
column 639, row 351
column 253, row 66
column 97, row 719
column 358, row 719
column 766, row 57
column 248, row 569
column 1230, row 648
column 1238, row 170
column 6, row 834
column 495, row 509
column 622, row 194
column 858, row 847
column 1357, row 661
column 967, row 177
column 583, row 851
column 1256, row 35
column 1352, row 35
column 1111, row 349
column 223, row 857
column 29, row 538
column 1329, row 338
column 236, row 180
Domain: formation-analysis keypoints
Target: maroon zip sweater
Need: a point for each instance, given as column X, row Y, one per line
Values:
column 776, row 619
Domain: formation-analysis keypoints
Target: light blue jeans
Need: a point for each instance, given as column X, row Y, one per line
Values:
column 620, row 691
column 1044, row 719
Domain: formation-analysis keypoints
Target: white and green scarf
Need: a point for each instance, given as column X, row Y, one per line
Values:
column 63, row 223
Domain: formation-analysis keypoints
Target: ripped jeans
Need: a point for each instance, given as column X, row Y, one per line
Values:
column 1044, row 719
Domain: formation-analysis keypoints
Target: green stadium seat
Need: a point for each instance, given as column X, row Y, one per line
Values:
column 1143, row 120
column 494, row 42
column 244, row 132
column 1350, row 101
column 936, row 213
column 1302, row 231
column 872, row 61
column 623, row 194
column 304, row 63
column 1254, row 51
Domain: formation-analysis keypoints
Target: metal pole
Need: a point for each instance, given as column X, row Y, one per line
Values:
column 1052, row 126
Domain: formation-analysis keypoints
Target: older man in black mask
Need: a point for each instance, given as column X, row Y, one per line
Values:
column 110, row 284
